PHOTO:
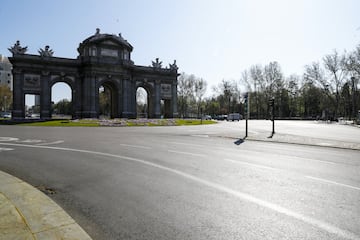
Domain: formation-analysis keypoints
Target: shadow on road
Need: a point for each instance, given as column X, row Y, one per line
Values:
column 240, row 141
column 272, row 134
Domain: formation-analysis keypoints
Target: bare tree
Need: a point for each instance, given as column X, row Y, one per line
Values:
column 257, row 76
column 199, row 91
column 353, row 62
column 314, row 74
column 246, row 80
column 227, row 94
column 292, row 85
column 185, row 92
column 274, row 85
column 335, row 66
column 273, row 77
column 353, row 68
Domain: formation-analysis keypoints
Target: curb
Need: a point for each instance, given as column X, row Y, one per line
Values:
column 28, row 214
column 292, row 139
column 346, row 146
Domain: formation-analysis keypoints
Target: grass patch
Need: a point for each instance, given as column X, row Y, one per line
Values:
column 64, row 123
column 115, row 122
column 182, row 122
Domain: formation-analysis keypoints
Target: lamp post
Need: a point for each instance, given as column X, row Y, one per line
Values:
column 246, row 112
column 272, row 106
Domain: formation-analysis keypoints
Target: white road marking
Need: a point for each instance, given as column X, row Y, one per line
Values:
column 332, row 182
column 188, row 153
column 6, row 149
column 200, row 135
column 188, row 144
column 134, row 146
column 317, row 160
column 31, row 141
column 243, row 196
column 50, row 143
column 8, row 139
column 252, row 164
column 272, row 154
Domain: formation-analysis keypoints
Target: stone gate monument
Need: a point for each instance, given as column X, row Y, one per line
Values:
column 104, row 60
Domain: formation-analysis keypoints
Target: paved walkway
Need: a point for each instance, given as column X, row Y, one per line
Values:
column 28, row 214
column 294, row 139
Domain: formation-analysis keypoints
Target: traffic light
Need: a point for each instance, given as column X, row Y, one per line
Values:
column 271, row 102
column 246, row 96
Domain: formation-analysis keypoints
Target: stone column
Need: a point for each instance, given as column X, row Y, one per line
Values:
column 18, row 111
column 132, row 91
column 126, row 98
column 119, row 101
column 89, row 96
column 76, row 98
column 174, row 110
column 45, row 96
column 157, row 101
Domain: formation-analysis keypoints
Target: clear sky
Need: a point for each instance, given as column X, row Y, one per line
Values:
column 213, row 39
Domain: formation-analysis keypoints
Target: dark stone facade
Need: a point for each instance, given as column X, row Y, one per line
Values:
column 104, row 60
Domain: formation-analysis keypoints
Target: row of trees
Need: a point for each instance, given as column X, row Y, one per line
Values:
column 5, row 98
column 327, row 89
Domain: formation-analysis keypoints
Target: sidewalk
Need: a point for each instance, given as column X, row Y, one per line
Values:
column 28, row 214
column 295, row 139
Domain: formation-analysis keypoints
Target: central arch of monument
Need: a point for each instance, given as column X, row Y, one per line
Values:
column 104, row 60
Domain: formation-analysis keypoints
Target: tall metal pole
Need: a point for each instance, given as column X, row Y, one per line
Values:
column 273, row 124
column 247, row 114
column 273, row 116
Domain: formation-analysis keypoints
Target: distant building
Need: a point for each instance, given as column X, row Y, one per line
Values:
column 5, row 72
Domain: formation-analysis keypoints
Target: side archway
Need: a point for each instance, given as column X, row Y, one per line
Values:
column 108, row 99
column 61, row 105
column 61, row 101
column 145, row 100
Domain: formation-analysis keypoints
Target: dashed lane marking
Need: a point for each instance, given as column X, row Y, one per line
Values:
column 31, row 141
column 5, row 149
column 188, row 153
column 200, row 135
column 8, row 139
column 252, row 164
column 243, row 196
column 134, row 146
column 50, row 143
column 332, row 182
column 187, row 144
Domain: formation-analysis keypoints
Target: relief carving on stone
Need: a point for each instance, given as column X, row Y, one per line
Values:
column 31, row 80
column 165, row 90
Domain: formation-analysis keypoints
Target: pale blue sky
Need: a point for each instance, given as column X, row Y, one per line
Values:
column 213, row 39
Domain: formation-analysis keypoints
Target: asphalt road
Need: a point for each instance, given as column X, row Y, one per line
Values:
column 189, row 183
